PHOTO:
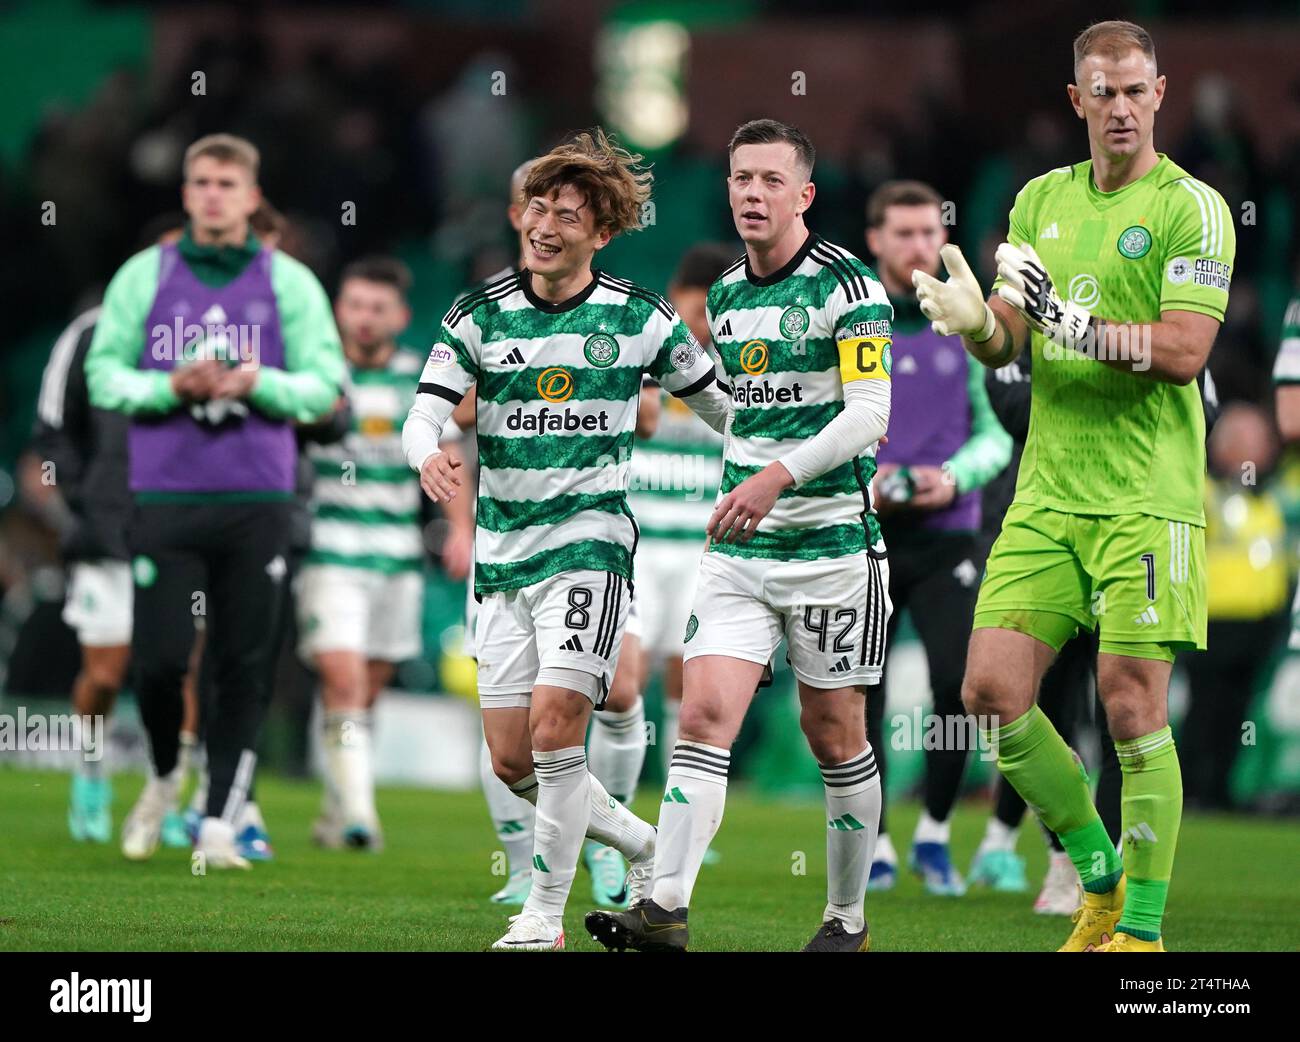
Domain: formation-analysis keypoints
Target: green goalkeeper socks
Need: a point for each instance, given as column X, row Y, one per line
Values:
column 1151, row 809
column 1049, row 776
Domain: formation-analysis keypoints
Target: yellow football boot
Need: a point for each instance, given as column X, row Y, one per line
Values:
column 1095, row 919
column 1123, row 942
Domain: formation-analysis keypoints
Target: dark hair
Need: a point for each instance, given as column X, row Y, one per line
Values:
column 388, row 271
column 768, row 131
column 702, row 265
column 267, row 220
column 1113, row 39
column 899, row 193
column 608, row 177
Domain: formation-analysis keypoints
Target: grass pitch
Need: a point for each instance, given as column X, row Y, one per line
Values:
column 1233, row 886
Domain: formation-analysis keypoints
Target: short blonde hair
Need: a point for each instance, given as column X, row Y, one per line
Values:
column 607, row 176
column 1112, row 39
column 225, row 148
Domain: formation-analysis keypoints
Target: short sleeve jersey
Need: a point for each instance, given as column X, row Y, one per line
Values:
column 365, row 499
column 1286, row 369
column 558, row 389
column 1103, row 441
column 789, row 342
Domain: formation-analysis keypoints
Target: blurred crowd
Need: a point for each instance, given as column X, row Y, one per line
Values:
column 426, row 178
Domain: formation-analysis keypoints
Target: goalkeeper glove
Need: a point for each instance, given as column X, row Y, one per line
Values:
column 1028, row 288
column 956, row 306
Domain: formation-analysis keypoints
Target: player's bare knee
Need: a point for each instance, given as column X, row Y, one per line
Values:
column 105, row 681
column 979, row 693
column 702, row 720
column 834, row 745
column 512, row 767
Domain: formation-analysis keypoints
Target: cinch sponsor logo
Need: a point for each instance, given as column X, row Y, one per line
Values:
column 545, row 420
column 92, row 995
column 762, row 392
column 1213, row 273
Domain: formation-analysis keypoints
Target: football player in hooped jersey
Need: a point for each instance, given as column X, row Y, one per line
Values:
column 1115, row 277
column 803, row 328
column 557, row 352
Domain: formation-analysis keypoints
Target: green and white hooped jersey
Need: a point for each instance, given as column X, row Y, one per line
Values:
column 675, row 476
column 366, row 500
column 558, row 391
column 1286, row 370
column 789, row 342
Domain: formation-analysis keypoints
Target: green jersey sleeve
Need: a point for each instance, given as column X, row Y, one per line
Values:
column 1020, row 229
column 862, row 318
column 113, row 376
column 677, row 361
column 1200, row 245
column 1286, row 370
column 452, row 367
column 306, row 388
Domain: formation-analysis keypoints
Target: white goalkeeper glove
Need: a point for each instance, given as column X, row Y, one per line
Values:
column 1028, row 288
column 955, row 307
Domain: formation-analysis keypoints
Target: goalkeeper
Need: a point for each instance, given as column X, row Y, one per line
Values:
column 1106, row 530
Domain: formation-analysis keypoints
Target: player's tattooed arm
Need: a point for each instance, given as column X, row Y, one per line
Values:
column 1010, row 336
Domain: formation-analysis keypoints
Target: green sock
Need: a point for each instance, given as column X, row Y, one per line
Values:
column 1151, row 809
column 1049, row 776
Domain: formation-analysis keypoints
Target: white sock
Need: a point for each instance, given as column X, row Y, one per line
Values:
column 852, row 820
column 613, row 825
column 616, row 750
column 930, row 831
column 668, row 733
column 348, row 762
column 199, row 801
column 188, row 755
column 199, row 765
column 885, row 849
column 998, row 836
column 512, row 816
column 92, row 769
column 563, row 811
column 694, row 797
column 250, row 815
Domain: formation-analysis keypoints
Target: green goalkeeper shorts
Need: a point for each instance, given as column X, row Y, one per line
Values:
column 1140, row 578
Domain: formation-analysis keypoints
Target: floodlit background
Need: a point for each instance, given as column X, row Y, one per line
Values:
column 412, row 116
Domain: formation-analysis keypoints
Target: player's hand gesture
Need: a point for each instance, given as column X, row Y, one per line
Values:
column 955, row 307
column 1028, row 288
column 439, row 479
column 195, row 381
column 737, row 516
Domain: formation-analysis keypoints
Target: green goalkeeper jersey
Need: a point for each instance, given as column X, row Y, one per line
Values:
column 1102, row 441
